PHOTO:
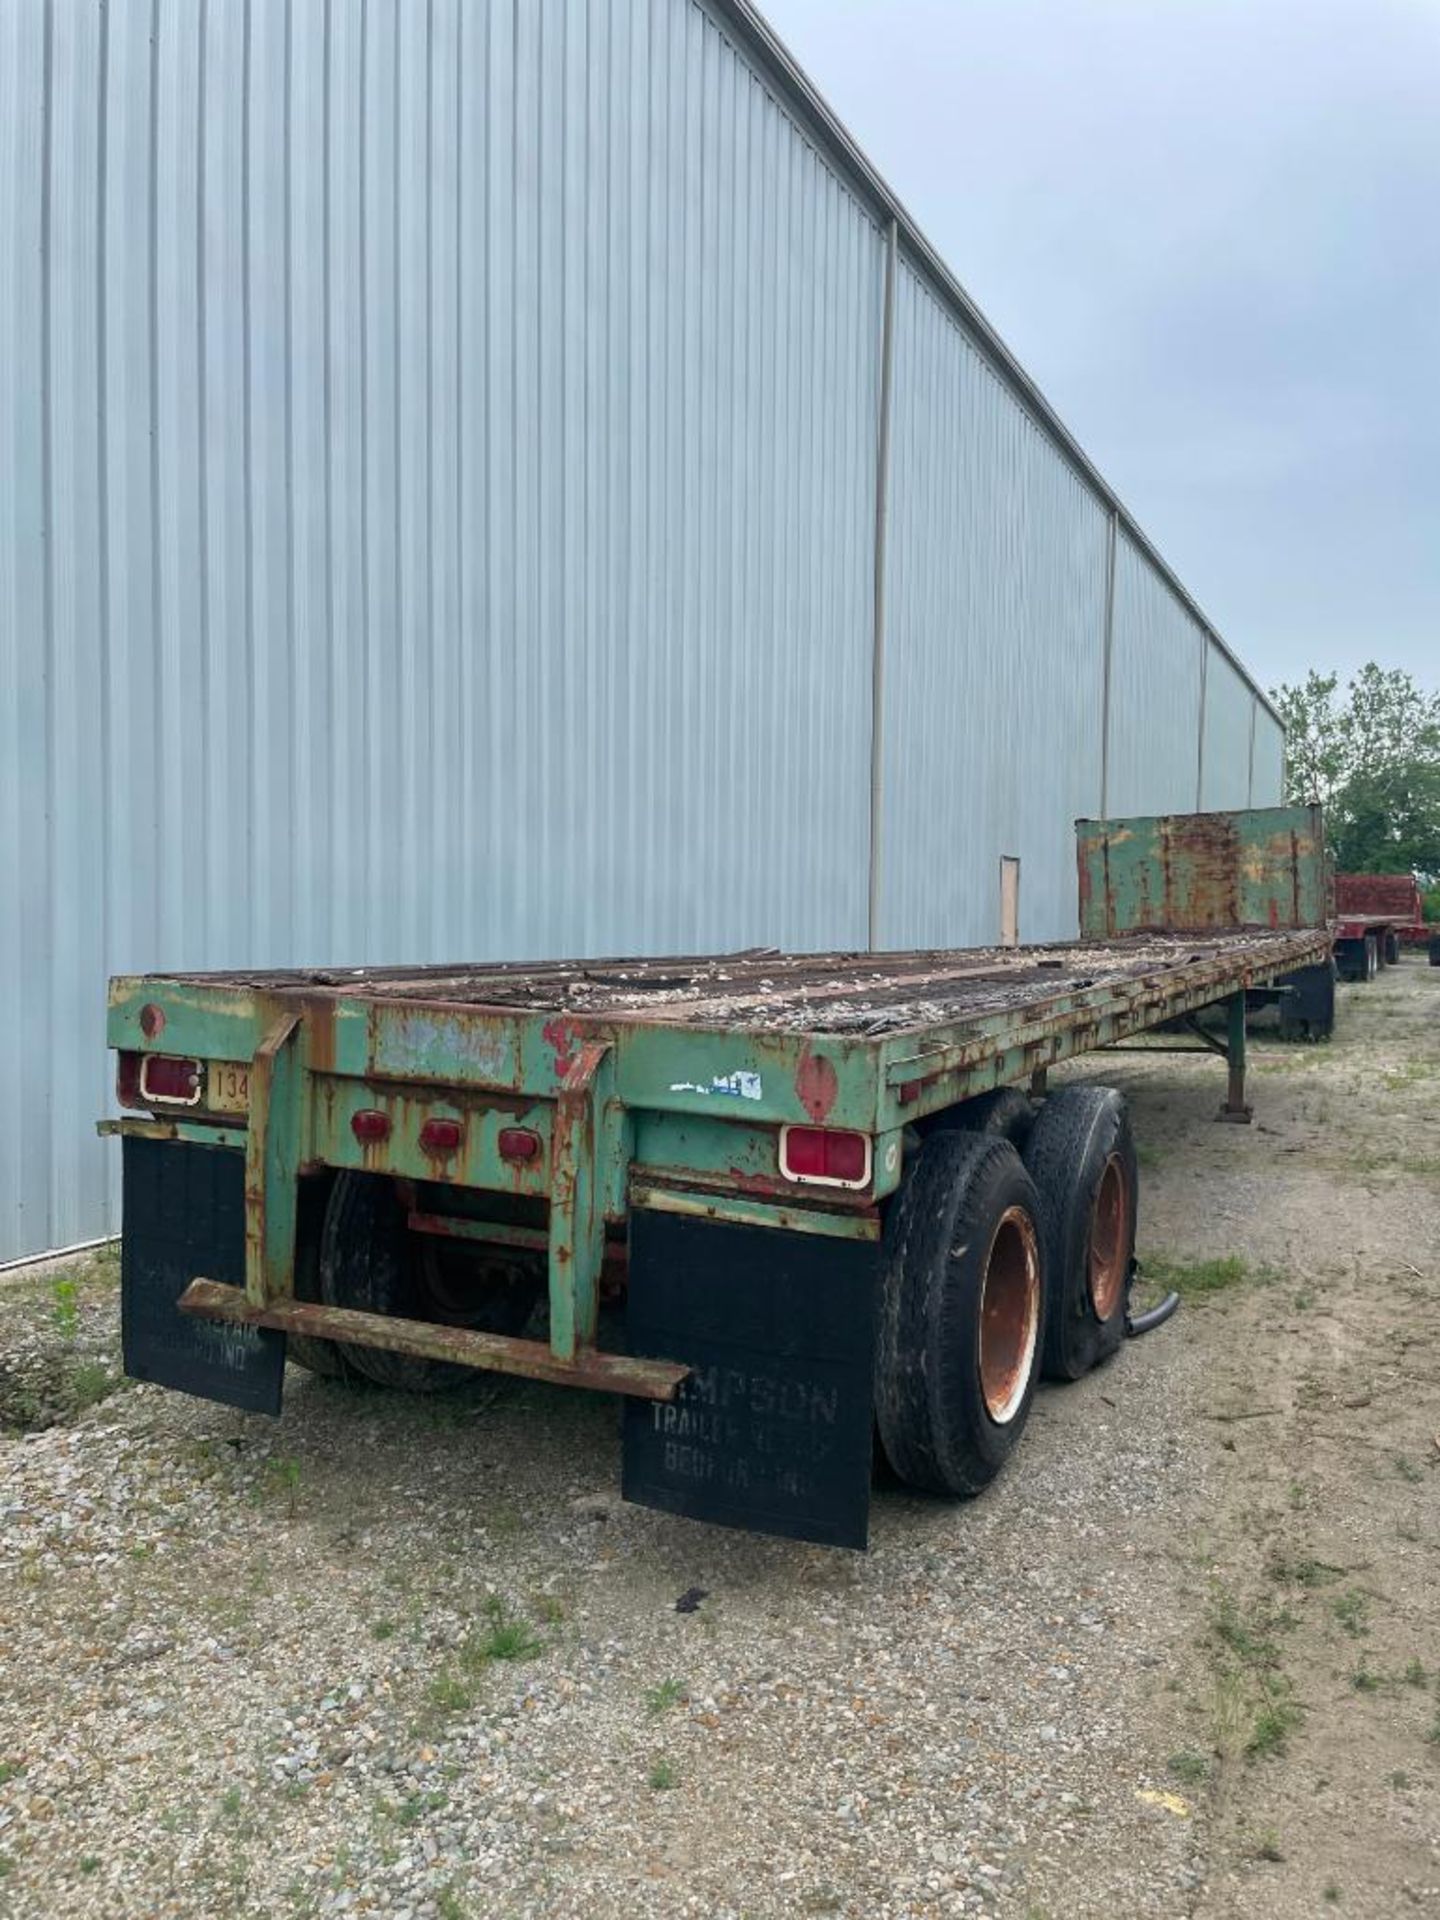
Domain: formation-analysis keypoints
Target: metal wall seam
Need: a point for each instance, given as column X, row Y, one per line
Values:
column 824, row 126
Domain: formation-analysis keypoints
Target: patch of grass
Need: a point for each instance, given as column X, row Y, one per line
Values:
column 1267, row 1846
column 91, row 1381
column 282, row 1477
column 449, row 1905
column 1331, row 1893
column 231, row 1801
column 1408, row 1471
column 414, row 1807
column 7, row 1866
column 1196, row 1280
column 663, row 1776
column 1415, row 1674
column 1304, row 1572
column 550, row 1609
column 1365, row 1680
column 1148, row 1156
column 10, row 1770
column 450, row 1694
column 1275, row 1721
column 1349, row 1608
column 1433, row 1736
column 90, row 1863
column 1190, row 1767
column 382, row 1629
column 1400, row 1779
column 1247, row 1639
column 668, row 1694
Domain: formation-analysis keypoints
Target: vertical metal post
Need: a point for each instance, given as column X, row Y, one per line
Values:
column 1200, row 731
column 882, row 518
column 272, row 1165
column 577, row 1202
column 1250, row 763
column 1105, row 671
column 1235, row 1107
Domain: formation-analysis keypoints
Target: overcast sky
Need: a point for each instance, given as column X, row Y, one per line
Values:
column 1210, row 229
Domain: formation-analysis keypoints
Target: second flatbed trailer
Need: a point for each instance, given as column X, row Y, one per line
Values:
column 819, row 1183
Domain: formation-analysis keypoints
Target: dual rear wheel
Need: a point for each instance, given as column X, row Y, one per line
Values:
column 1001, row 1262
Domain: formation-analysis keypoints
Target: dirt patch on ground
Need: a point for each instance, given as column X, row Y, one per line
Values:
column 407, row 1657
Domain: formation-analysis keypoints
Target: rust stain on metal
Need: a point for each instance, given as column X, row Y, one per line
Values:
column 816, row 1085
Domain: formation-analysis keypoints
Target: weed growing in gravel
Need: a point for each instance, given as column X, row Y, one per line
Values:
column 1190, row 1767
column 506, row 1639
column 1365, row 1680
column 663, row 1776
column 414, row 1807
column 549, row 1608
column 1276, row 1720
column 283, row 1477
column 660, row 1699
column 67, row 1309
column 1433, row 1736
column 1255, row 1707
column 1400, row 1779
column 1267, row 1847
column 1415, row 1674
column 382, row 1629
column 449, row 1905
column 1349, row 1609
column 90, row 1863
column 449, row 1693
column 231, row 1801
column 10, row 1770
column 1408, row 1471
column 1300, row 1573
column 7, row 1865
column 1331, row 1892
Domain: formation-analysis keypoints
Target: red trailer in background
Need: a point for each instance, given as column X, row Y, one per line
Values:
column 1375, row 913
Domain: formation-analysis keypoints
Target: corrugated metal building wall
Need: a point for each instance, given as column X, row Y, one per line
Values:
column 438, row 508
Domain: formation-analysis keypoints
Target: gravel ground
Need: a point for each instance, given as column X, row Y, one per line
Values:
column 415, row 1658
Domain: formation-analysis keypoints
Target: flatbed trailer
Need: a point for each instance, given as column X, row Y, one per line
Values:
column 405, row 1171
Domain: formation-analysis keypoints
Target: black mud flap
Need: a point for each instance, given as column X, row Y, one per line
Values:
column 184, row 1218
column 772, row 1431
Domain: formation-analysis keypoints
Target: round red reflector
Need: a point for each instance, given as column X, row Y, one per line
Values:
column 441, row 1136
column 519, row 1143
column 152, row 1020
column 370, row 1124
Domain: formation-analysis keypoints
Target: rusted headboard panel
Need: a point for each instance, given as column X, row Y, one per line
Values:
column 1200, row 872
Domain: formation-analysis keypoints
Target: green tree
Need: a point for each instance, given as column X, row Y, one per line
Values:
column 1371, row 757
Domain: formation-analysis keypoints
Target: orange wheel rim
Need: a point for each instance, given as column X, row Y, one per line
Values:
column 1009, row 1315
column 1110, row 1238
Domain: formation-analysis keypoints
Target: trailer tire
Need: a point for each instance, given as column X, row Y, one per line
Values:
column 962, row 1303
column 1392, row 949
column 320, row 1357
column 1081, row 1155
column 1005, row 1113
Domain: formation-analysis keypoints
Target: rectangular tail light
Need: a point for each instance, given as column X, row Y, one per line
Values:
column 826, row 1157
column 168, row 1081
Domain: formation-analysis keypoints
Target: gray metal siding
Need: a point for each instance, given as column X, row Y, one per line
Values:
column 1225, row 772
column 1267, row 777
column 437, row 512
column 1154, row 693
column 994, row 638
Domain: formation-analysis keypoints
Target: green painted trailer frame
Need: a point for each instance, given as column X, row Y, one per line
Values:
column 544, row 1110
column 665, row 1085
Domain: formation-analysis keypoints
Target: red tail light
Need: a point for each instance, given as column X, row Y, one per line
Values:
column 169, row 1081
column 369, row 1125
column 441, row 1136
column 519, row 1143
column 825, row 1156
